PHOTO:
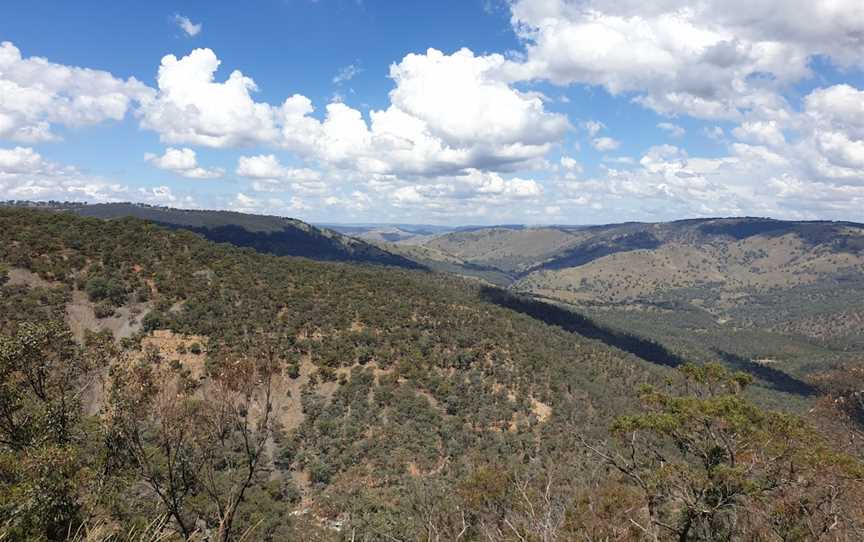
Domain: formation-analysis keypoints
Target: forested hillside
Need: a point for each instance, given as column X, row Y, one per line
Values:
column 271, row 234
column 158, row 384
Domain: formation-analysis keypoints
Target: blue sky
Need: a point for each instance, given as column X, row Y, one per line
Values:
column 476, row 111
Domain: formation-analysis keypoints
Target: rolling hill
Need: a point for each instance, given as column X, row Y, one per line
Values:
column 381, row 378
column 783, row 293
column 270, row 234
column 150, row 373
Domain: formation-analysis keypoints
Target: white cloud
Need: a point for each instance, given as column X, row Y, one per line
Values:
column 345, row 74
column 840, row 106
column 183, row 162
column 624, row 160
column 570, row 164
column 764, row 132
column 249, row 204
column 193, row 108
column 470, row 194
column 264, row 166
column 710, row 59
column 268, row 175
column 191, row 29
column 356, row 201
column 819, row 176
column 19, row 160
column 672, row 129
column 448, row 114
column 36, row 94
column 604, row 144
column 832, row 125
column 593, row 127
column 25, row 174
column 462, row 98
column 163, row 195
column 460, row 138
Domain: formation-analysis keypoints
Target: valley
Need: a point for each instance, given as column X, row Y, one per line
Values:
column 231, row 390
column 735, row 289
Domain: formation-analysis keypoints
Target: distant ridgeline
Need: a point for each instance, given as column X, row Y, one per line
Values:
column 269, row 234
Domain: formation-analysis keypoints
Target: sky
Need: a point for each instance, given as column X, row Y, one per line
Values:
column 448, row 112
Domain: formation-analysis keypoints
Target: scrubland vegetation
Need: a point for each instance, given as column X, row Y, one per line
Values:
column 253, row 397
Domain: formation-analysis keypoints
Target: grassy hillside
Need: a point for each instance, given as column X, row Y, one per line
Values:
column 786, row 294
column 508, row 249
column 441, row 262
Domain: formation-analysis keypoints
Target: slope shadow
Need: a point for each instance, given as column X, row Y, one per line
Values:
column 296, row 242
column 588, row 252
column 643, row 348
column 577, row 323
column 776, row 379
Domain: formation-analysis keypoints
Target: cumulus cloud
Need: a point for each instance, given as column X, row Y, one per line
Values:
column 163, row 195
column 19, row 160
column 833, row 128
column 25, row 174
column 709, row 59
column 461, row 98
column 448, row 114
column 183, row 162
column 186, row 25
column 462, row 135
column 36, row 95
column 356, row 201
column 250, row 204
column 472, row 194
column 820, row 175
column 269, row 175
column 764, row 132
column 191, row 107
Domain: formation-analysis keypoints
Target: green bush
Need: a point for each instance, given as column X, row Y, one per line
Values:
column 103, row 309
column 101, row 288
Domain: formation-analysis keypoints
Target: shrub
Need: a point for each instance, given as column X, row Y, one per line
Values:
column 101, row 288
column 103, row 310
column 154, row 320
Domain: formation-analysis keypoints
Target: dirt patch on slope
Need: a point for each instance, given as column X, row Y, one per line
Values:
column 81, row 317
column 24, row 277
column 178, row 347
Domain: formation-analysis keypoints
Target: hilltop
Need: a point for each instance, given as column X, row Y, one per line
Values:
column 270, row 234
